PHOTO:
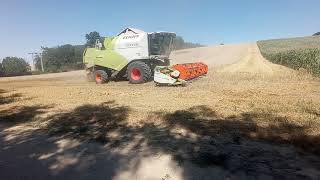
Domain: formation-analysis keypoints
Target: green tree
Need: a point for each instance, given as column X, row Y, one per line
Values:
column 179, row 43
column 1, row 70
column 37, row 63
column 316, row 34
column 91, row 38
column 13, row 66
column 61, row 58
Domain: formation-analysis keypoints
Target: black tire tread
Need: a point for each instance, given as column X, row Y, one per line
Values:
column 103, row 74
column 146, row 74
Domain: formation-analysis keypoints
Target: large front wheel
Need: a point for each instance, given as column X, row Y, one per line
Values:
column 139, row 72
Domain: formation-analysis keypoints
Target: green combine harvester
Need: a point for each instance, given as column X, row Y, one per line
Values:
column 132, row 54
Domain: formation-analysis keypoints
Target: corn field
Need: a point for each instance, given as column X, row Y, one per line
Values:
column 295, row 53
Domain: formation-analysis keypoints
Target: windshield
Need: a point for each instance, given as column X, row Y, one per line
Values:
column 160, row 43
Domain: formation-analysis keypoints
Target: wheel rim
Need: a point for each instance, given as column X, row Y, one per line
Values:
column 98, row 78
column 135, row 74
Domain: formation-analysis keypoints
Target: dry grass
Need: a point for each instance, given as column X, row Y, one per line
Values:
column 296, row 99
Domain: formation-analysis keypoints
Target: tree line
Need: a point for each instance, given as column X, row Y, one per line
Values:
column 14, row 66
column 61, row 58
column 179, row 43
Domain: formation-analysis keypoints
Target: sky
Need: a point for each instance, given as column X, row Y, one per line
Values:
column 26, row 25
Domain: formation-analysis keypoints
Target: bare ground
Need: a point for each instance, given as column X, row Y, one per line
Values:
column 247, row 119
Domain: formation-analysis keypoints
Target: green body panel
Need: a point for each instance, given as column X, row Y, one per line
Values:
column 105, row 57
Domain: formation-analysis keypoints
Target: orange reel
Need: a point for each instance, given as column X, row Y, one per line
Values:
column 191, row 70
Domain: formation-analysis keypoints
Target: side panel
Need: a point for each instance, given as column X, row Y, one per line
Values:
column 132, row 46
column 119, row 51
column 106, row 57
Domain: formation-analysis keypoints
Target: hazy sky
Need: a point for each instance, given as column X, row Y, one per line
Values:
column 28, row 25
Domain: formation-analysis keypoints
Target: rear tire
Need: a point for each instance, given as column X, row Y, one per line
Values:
column 100, row 76
column 139, row 72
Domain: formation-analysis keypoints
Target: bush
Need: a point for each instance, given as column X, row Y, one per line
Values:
column 14, row 66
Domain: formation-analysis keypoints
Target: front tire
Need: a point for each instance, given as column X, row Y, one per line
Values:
column 100, row 76
column 139, row 72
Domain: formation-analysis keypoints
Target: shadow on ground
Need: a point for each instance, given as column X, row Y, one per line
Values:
column 98, row 142
column 4, row 99
column 23, row 114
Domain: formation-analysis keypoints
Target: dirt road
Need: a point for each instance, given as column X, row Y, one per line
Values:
column 248, row 118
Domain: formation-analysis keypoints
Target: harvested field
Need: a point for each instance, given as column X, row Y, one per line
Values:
column 247, row 118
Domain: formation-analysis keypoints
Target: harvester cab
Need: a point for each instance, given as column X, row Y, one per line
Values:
column 160, row 43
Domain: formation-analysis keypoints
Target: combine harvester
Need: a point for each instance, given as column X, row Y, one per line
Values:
column 138, row 56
